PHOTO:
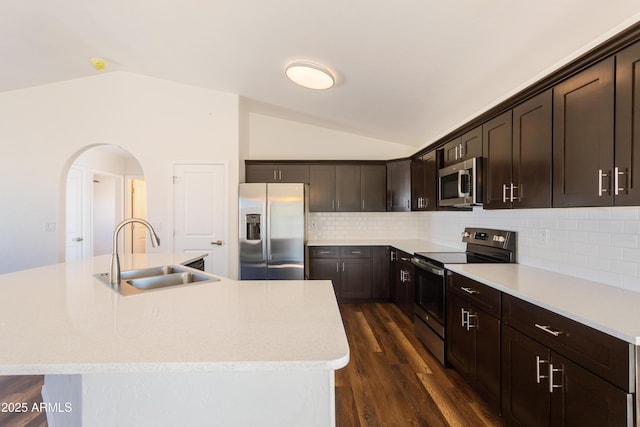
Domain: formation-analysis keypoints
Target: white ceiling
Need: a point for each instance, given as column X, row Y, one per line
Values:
column 408, row 71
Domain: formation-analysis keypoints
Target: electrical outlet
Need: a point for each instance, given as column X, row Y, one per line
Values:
column 49, row 227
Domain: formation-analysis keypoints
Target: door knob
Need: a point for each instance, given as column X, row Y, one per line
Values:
column 78, row 239
column 218, row 243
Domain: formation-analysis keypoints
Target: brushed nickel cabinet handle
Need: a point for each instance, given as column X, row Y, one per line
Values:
column 540, row 361
column 551, row 372
column 469, row 290
column 547, row 329
column 601, row 175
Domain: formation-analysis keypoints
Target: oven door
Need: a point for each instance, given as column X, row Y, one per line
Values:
column 429, row 291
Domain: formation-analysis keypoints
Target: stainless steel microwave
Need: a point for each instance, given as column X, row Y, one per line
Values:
column 460, row 185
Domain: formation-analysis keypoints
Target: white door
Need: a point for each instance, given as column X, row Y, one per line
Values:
column 74, row 238
column 139, row 210
column 200, row 213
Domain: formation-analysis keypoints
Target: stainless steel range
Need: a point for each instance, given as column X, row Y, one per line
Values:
column 483, row 246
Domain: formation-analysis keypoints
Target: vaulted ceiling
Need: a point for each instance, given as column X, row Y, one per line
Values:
column 407, row 71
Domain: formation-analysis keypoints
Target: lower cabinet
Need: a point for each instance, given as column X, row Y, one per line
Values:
column 358, row 273
column 473, row 335
column 556, row 371
column 542, row 388
column 403, row 283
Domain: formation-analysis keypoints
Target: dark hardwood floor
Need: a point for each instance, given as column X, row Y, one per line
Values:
column 392, row 380
column 21, row 389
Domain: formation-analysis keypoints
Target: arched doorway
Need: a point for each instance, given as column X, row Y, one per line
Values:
column 105, row 184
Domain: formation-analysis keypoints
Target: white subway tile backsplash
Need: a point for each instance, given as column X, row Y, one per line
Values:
column 601, row 244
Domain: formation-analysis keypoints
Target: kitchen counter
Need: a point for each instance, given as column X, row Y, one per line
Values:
column 606, row 308
column 406, row 245
column 60, row 319
column 218, row 353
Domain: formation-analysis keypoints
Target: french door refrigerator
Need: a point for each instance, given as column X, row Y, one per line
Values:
column 272, row 231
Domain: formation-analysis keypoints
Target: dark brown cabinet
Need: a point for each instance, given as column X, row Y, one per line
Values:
column 380, row 272
column 473, row 335
column 358, row 273
column 583, row 132
column 403, row 282
column 399, row 186
column 464, row 147
column 424, row 182
column 373, row 190
column 347, row 188
column 517, row 154
column 626, row 182
column 277, row 172
column 556, row 371
column 322, row 188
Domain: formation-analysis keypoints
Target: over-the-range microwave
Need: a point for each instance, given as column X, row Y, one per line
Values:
column 460, row 185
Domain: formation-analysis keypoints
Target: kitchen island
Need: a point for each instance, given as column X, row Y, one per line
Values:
column 217, row 353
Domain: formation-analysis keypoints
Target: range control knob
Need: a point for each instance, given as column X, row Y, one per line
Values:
column 499, row 239
column 465, row 234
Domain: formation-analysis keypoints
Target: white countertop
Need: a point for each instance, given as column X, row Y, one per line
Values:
column 60, row 319
column 406, row 245
column 605, row 308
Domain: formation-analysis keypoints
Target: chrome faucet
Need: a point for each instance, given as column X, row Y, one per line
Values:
column 114, row 278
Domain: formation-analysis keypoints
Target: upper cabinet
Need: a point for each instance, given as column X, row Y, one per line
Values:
column 347, row 188
column 583, row 132
column 399, row 186
column 464, row 147
column 277, row 172
column 626, row 183
column 424, row 182
column 517, row 148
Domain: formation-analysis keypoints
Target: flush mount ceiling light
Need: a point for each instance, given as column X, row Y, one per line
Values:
column 310, row 75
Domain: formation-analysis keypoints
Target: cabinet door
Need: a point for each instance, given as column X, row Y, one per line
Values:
column 404, row 285
column 471, row 144
column 418, row 181
column 525, row 389
column 627, row 152
column 355, row 278
column 326, row 269
column 580, row 398
column 583, row 110
column 496, row 166
column 293, row 173
column 381, row 265
column 322, row 188
column 532, row 152
column 261, row 173
column 458, row 343
column 347, row 188
column 373, row 188
column 485, row 369
column 452, row 151
column 399, row 186
column 430, row 202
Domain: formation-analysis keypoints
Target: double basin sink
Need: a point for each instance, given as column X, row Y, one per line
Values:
column 134, row 282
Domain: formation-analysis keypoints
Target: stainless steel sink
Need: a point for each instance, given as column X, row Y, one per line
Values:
column 147, row 279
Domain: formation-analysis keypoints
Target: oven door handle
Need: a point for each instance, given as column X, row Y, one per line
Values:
column 428, row 267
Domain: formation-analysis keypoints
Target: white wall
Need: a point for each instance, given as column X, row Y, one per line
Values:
column 272, row 138
column 43, row 128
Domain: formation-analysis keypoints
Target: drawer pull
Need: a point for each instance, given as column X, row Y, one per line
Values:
column 469, row 290
column 356, row 252
column 324, row 252
column 548, row 330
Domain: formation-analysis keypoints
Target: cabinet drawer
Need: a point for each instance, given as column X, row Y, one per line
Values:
column 355, row 252
column 324, row 252
column 482, row 296
column 603, row 354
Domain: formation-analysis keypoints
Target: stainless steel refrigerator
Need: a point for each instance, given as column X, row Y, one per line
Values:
column 272, row 231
